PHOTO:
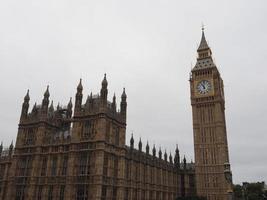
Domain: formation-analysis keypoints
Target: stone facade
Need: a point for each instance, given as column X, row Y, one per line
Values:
column 83, row 155
column 213, row 174
column 80, row 153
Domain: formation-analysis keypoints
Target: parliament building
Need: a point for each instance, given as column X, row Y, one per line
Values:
column 79, row 152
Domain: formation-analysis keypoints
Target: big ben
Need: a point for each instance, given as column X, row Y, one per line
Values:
column 213, row 173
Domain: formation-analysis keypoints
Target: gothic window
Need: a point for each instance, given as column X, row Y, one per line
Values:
column 115, row 167
column 144, row 174
column 114, row 193
column 24, row 166
column 104, row 192
column 44, row 165
column 117, row 136
column 2, row 171
column 50, row 192
column 62, row 192
column 29, row 139
column 137, row 174
column 126, row 194
column 87, row 129
column 126, row 169
column 54, row 166
column 105, row 169
column 82, row 192
column 83, row 166
column 39, row 194
column 64, row 165
column 20, row 189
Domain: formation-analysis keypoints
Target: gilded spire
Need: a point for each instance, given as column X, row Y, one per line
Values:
column 203, row 43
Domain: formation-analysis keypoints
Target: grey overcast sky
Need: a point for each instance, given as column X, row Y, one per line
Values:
column 147, row 46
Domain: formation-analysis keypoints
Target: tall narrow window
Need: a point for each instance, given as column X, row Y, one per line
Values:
column 116, row 167
column 62, row 192
column 44, row 165
column 39, row 194
column 2, row 171
column 50, row 192
column 20, row 189
column 105, row 167
column 117, row 136
column 104, row 192
column 54, row 166
column 114, row 193
column 86, row 130
column 64, row 165
column 83, row 166
column 29, row 139
column 82, row 192
column 24, row 166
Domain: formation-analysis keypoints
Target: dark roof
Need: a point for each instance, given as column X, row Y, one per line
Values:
column 203, row 43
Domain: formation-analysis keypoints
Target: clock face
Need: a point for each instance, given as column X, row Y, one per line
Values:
column 203, row 87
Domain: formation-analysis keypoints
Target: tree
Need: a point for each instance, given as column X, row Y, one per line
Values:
column 191, row 198
column 250, row 191
column 238, row 192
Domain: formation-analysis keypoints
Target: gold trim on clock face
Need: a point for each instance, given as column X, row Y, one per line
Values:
column 204, row 87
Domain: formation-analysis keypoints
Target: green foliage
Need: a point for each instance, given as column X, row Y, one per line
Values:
column 250, row 191
column 238, row 194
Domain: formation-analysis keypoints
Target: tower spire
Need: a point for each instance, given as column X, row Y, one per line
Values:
column 25, row 106
column 45, row 102
column 104, row 90
column 204, row 59
column 78, row 98
column 203, row 43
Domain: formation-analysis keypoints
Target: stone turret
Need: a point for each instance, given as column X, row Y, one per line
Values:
column 132, row 142
column 45, row 103
column 140, row 145
column 170, row 158
column 11, row 149
column 177, row 158
column 184, row 163
column 123, row 105
column 160, row 153
column 114, row 105
column 147, row 148
column 104, row 91
column 154, row 151
column 78, row 98
column 25, row 107
column 165, row 156
column 1, row 148
column 69, row 108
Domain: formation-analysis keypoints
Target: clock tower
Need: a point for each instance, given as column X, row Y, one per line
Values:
column 213, row 173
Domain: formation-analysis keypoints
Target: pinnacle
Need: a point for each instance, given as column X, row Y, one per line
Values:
column 203, row 43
